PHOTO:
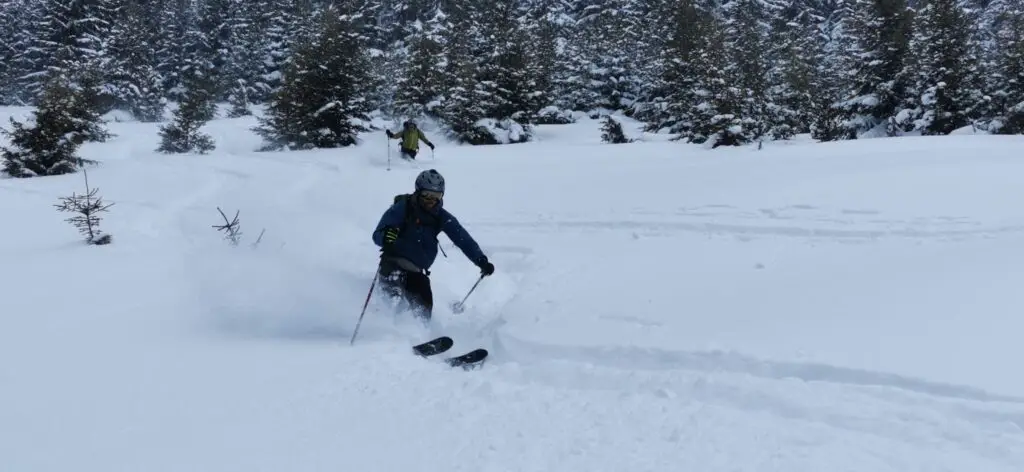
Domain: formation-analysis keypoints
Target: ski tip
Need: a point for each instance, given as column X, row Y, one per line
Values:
column 470, row 360
column 434, row 346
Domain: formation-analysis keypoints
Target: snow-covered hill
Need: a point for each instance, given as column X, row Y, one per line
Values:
column 851, row 306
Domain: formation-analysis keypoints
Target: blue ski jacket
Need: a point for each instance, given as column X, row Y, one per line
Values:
column 417, row 241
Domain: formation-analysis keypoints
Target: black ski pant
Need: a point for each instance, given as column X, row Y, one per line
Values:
column 411, row 287
column 409, row 153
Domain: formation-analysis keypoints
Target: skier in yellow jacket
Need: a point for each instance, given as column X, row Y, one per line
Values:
column 410, row 136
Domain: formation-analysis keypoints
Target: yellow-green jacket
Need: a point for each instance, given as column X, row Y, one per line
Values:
column 411, row 138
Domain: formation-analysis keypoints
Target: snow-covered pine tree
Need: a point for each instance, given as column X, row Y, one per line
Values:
column 386, row 48
column 177, row 18
column 746, row 32
column 33, row 48
column 572, row 86
column 18, row 19
column 1008, row 66
column 48, row 146
column 9, row 24
column 541, row 24
column 507, row 75
column 183, row 52
column 419, row 88
column 879, row 36
column 461, row 110
column 322, row 102
column 546, row 24
column 132, row 78
column 796, row 49
column 986, row 32
column 246, row 49
column 398, row 20
column 673, row 93
column 84, row 77
column 182, row 134
column 232, row 47
column 619, row 26
column 945, row 92
column 717, row 113
column 653, row 60
column 216, row 32
column 827, row 120
column 70, row 37
column 604, row 69
column 285, row 23
column 377, row 20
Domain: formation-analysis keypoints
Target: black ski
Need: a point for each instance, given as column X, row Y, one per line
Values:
column 433, row 347
column 469, row 360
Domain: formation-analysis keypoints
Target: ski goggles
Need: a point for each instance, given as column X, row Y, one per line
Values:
column 430, row 195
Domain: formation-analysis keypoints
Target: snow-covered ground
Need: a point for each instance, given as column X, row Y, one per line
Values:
column 852, row 306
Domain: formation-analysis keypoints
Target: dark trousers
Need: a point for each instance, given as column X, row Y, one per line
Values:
column 411, row 287
column 409, row 153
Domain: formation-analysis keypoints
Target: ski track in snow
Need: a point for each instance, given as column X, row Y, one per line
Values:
column 260, row 375
column 927, row 229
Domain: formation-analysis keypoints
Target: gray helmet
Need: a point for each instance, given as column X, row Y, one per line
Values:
column 430, row 180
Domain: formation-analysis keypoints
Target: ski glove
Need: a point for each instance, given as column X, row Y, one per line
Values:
column 486, row 268
column 431, row 146
column 390, row 235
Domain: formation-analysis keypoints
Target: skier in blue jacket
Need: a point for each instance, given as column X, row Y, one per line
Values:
column 407, row 235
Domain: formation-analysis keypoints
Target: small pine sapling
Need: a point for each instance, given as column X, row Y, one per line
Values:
column 88, row 207
column 611, row 131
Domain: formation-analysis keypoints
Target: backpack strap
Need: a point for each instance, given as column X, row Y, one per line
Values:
column 409, row 219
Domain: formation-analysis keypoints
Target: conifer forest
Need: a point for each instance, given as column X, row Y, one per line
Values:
column 725, row 72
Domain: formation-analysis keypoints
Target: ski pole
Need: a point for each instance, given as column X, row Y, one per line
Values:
column 388, row 141
column 457, row 307
column 365, row 304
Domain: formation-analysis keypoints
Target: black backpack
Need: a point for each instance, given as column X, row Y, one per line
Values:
column 410, row 218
